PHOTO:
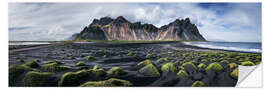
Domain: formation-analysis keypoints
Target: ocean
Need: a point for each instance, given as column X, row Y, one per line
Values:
column 233, row 46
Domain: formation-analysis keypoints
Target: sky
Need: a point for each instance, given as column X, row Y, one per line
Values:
column 231, row 22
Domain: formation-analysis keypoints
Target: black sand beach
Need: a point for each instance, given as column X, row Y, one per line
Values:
column 137, row 64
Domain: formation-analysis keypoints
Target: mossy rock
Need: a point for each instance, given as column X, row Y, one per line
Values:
column 97, row 67
column 113, row 82
column 198, row 84
column 224, row 61
column 39, row 79
column 214, row 66
column 182, row 74
column 234, row 74
column 232, row 65
column 131, row 54
column 90, row 58
column 150, row 70
column 80, row 63
column 15, row 71
column 54, row 67
column 166, row 59
column 98, row 71
column 168, row 67
column 117, row 71
column 189, row 64
column 73, row 78
column 247, row 63
column 145, row 62
column 32, row 64
column 150, row 55
column 202, row 66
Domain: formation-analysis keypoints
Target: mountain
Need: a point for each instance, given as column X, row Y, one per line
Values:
column 120, row 28
column 73, row 36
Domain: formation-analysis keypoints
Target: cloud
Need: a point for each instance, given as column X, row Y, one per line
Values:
column 58, row 21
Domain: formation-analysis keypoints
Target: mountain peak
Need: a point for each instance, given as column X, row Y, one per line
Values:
column 120, row 19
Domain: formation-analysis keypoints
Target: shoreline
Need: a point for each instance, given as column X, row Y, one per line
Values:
column 181, row 44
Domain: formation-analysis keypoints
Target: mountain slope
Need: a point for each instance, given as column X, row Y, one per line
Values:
column 107, row 28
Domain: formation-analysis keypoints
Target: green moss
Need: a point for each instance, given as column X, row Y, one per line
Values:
column 214, row 66
column 232, row 65
column 90, row 58
column 98, row 71
column 166, row 59
column 54, row 67
column 202, row 65
column 15, row 71
column 130, row 53
column 182, row 74
column 204, row 60
column 34, row 78
column 189, row 63
column 247, row 63
column 32, row 64
column 224, row 61
column 145, row 62
column 168, row 67
column 105, row 56
column 234, row 74
column 150, row 55
column 80, row 63
column 117, row 71
column 97, row 67
column 198, row 84
column 73, row 78
column 113, row 82
column 150, row 70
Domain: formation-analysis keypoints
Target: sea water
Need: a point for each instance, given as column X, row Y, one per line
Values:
column 253, row 47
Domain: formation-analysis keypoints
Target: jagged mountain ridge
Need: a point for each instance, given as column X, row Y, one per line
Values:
column 107, row 28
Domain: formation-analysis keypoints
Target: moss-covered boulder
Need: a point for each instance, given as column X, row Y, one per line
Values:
column 73, row 78
column 90, row 58
column 39, row 79
column 202, row 66
column 15, row 71
column 32, row 64
column 188, row 64
column 234, row 74
column 98, row 71
column 117, row 71
column 150, row 70
column 150, row 55
column 224, row 61
column 232, row 65
column 54, row 67
column 113, row 82
column 165, row 59
column 247, row 63
column 145, row 62
column 198, row 84
column 182, row 74
column 80, row 63
column 168, row 67
column 214, row 66
column 130, row 53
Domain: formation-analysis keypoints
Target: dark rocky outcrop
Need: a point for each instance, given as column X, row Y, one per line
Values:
column 107, row 28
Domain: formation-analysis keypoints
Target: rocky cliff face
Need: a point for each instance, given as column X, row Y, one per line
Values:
column 107, row 28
